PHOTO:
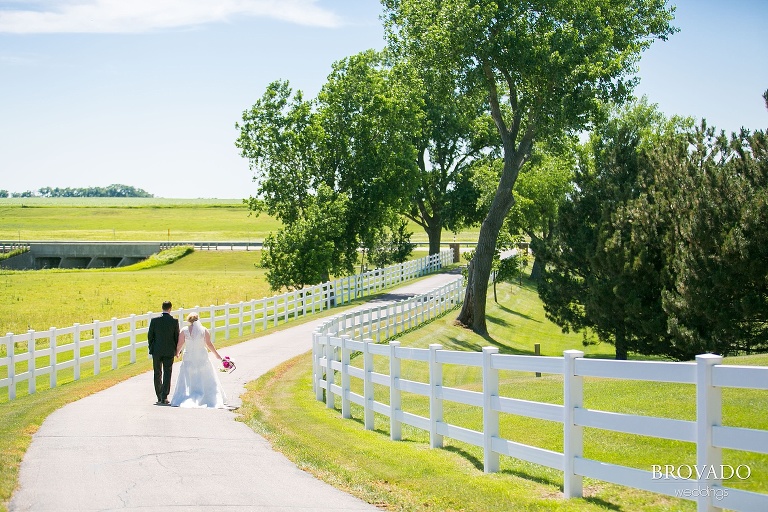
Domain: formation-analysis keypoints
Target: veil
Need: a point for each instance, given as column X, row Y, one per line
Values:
column 196, row 329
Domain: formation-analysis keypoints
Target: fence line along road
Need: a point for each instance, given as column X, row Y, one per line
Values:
column 336, row 340
column 83, row 348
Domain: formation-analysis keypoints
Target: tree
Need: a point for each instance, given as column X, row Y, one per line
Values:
column 311, row 248
column 605, row 260
column 455, row 136
column 662, row 247
column 542, row 64
column 541, row 187
column 348, row 154
column 712, row 192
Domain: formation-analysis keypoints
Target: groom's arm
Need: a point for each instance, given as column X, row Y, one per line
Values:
column 151, row 336
column 176, row 332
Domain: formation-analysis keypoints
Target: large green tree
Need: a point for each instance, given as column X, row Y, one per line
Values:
column 348, row 155
column 605, row 260
column 712, row 192
column 542, row 64
column 455, row 136
column 542, row 186
column 662, row 246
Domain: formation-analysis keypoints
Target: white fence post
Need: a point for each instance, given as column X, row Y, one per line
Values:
column 435, row 402
column 368, row 385
column 330, row 357
column 11, row 351
column 31, row 363
column 491, row 461
column 573, row 435
column 226, row 320
column 709, row 414
column 264, row 315
column 317, row 373
column 212, row 322
column 114, row 343
column 240, row 319
column 96, row 348
column 346, row 411
column 53, row 358
column 133, row 338
column 76, row 351
column 395, row 395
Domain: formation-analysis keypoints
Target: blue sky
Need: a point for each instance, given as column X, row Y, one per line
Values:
column 147, row 92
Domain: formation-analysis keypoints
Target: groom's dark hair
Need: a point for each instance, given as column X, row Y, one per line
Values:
column 167, row 305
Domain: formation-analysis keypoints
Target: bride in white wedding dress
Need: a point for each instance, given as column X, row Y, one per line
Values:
column 198, row 384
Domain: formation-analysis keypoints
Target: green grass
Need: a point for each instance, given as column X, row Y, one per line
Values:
column 20, row 418
column 132, row 219
column 43, row 299
column 366, row 463
column 146, row 219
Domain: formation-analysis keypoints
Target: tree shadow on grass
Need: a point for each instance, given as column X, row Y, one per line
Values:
column 478, row 464
column 516, row 313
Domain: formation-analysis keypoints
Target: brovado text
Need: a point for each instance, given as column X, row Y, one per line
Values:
column 707, row 472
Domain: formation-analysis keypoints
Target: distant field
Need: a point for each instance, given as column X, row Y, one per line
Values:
column 43, row 299
column 146, row 219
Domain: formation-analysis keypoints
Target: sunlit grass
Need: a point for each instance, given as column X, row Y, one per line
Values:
column 43, row 299
column 366, row 463
column 148, row 219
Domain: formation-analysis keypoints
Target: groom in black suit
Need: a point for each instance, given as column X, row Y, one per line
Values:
column 162, row 338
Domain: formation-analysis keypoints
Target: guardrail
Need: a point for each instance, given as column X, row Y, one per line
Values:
column 30, row 356
column 339, row 339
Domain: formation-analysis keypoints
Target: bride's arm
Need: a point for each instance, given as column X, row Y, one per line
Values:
column 180, row 343
column 210, row 345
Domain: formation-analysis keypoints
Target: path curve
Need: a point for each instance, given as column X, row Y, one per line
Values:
column 116, row 450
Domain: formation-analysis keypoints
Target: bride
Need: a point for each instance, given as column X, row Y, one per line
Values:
column 198, row 383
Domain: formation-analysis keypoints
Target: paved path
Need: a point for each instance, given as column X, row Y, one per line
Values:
column 116, row 450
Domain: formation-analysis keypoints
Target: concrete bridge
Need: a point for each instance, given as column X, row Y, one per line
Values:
column 43, row 255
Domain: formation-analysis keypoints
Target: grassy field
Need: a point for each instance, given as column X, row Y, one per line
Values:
column 367, row 464
column 58, row 298
column 150, row 219
column 146, row 219
column 281, row 405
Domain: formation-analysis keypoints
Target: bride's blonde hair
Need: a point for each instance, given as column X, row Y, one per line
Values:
column 192, row 318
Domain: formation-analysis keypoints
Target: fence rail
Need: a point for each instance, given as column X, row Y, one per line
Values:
column 339, row 338
column 30, row 356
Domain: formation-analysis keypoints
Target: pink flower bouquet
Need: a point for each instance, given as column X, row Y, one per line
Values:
column 228, row 365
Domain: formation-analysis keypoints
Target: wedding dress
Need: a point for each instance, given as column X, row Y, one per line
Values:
column 198, row 384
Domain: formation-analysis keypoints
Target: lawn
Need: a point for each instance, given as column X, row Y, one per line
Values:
column 147, row 219
column 43, row 299
column 281, row 406
column 134, row 219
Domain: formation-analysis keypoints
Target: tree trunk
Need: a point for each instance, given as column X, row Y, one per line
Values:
column 434, row 232
column 621, row 345
column 480, row 267
column 467, row 307
column 514, row 157
column 538, row 267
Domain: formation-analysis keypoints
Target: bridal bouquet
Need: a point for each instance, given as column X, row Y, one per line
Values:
column 228, row 365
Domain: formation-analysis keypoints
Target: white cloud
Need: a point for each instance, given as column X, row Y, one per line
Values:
column 127, row 16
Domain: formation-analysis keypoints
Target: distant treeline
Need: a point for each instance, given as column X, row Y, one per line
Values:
column 108, row 191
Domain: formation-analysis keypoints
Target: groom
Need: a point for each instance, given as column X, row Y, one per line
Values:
column 162, row 338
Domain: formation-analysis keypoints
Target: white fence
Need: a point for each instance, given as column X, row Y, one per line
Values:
column 340, row 338
column 34, row 354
